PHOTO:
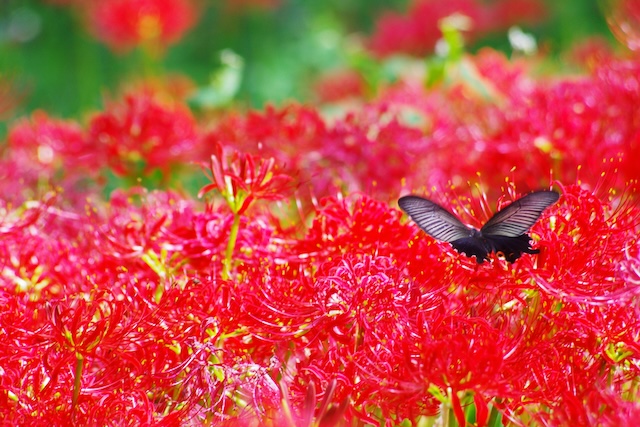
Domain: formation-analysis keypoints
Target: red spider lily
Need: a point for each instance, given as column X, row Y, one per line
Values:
column 16, row 221
column 417, row 33
column 132, row 310
column 24, row 368
column 36, row 263
column 123, row 24
column 600, row 407
column 372, row 151
column 365, row 302
column 132, row 230
column 623, row 17
column 137, row 254
column 541, row 127
column 368, row 151
column 340, row 85
column 140, row 134
column 290, row 135
column 281, row 133
column 200, row 238
column 80, row 326
column 242, row 179
column 45, row 155
column 54, row 144
column 580, row 224
column 461, row 352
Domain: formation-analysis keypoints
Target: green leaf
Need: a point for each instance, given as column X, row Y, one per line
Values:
column 224, row 83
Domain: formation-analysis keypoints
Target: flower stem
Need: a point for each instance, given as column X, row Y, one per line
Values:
column 78, row 379
column 233, row 236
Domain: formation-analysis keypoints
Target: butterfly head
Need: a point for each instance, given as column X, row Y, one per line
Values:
column 475, row 233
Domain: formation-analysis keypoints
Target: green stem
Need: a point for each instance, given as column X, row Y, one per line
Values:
column 233, row 236
column 77, row 383
column 495, row 418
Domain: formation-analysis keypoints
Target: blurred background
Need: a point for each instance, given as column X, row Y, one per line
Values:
column 65, row 56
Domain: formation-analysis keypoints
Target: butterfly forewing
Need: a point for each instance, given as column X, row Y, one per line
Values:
column 519, row 216
column 435, row 220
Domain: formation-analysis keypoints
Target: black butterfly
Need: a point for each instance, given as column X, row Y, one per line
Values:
column 505, row 233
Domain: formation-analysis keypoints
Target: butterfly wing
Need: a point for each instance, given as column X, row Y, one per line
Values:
column 517, row 218
column 435, row 220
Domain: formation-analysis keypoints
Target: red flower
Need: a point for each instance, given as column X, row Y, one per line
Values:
column 140, row 134
column 592, row 52
column 590, row 233
column 340, row 85
column 123, row 24
column 601, row 406
column 623, row 17
column 290, row 135
column 417, row 33
column 566, row 127
column 47, row 155
column 242, row 179
column 81, row 327
column 54, row 144
column 368, row 151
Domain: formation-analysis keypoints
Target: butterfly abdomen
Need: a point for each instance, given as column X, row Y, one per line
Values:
column 475, row 245
column 512, row 248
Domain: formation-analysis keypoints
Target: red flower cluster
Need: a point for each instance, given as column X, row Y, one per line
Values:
column 388, row 323
column 418, row 31
column 575, row 129
column 135, row 137
column 154, row 308
column 366, row 151
column 52, row 144
column 141, row 134
column 623, row 17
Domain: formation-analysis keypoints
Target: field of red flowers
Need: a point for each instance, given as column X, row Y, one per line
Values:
column 291, row 290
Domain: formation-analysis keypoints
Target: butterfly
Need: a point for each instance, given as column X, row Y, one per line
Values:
column 505, row 233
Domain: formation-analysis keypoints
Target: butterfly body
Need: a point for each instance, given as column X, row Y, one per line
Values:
column 511, row 248
column 504, row 234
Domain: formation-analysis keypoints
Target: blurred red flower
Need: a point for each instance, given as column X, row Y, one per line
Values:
column 623, row 17
column 54, row 144
column 417, row 32
column 368, row 150
column 124, row 24
column 340, row 85
column 140, row 134
column 528, row 129
column 44, row 154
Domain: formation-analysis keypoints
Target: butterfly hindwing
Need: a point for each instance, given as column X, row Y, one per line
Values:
column 517, row 218
column 435, row 220
column 473, row 247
